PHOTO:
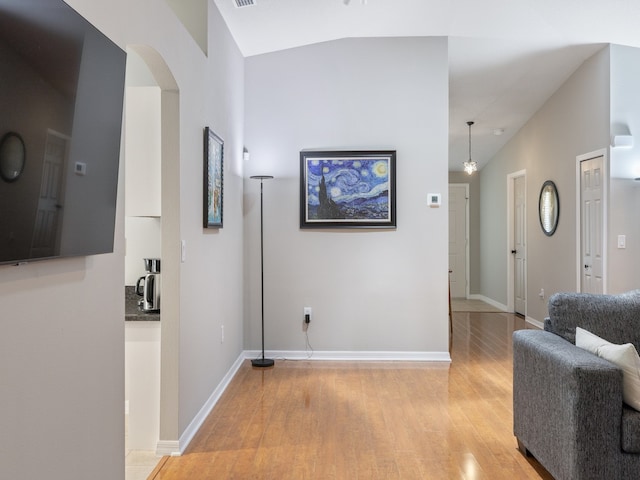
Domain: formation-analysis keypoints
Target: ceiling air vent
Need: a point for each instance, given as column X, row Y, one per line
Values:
column 244, row 3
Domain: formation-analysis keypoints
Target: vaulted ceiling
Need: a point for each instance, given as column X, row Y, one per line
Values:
column 506, row 57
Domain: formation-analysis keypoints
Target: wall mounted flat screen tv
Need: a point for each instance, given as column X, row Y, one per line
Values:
column 61, row 104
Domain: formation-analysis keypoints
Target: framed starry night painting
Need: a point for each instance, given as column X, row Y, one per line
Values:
column 348, row 189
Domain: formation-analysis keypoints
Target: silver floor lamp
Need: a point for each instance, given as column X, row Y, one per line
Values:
column 262, row 362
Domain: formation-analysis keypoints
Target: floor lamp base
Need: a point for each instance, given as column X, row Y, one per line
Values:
column 262, row 362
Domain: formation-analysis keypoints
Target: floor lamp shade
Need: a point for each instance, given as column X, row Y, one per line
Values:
column 262, row 361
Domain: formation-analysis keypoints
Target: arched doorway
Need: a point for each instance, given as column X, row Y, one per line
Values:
column 169, row 147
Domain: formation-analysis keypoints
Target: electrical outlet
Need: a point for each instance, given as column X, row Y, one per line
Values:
column 307, row 314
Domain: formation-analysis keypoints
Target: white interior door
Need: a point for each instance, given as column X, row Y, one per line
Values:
column 458, row 194
column 519, row 245
column 591, row 222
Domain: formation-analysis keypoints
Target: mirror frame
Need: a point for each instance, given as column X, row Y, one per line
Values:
column 549, row 208
column 12, row 156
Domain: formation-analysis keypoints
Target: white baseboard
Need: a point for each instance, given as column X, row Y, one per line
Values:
column 488, row 300
column 168, row 447
column 174, row 448
column 361, row 356
column 535, row 322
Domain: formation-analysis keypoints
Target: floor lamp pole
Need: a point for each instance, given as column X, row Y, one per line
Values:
column 262, row 362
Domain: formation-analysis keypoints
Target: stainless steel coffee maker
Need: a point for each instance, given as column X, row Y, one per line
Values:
column 148, row 286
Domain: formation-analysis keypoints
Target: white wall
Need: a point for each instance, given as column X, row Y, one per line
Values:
column 143, row 241
column 625, row 167
column 574, row 121
column 625, row 109
column 623, row 220
column 62, row 347
column 370, row 290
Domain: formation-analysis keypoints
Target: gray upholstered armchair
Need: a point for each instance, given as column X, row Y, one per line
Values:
column 567, row 403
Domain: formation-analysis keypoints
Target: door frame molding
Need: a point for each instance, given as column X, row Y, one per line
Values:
column 466, row 239
column 510, row 238
column 604, row 153
column 170, row 347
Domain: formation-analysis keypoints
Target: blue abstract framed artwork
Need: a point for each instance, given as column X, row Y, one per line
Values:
column 213, row 179
column 348, row 189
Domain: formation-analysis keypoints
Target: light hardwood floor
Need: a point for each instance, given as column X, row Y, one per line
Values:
column 366, row 420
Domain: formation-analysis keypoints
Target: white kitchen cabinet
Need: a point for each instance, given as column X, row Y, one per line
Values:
column 142, row 383
column 142, row 149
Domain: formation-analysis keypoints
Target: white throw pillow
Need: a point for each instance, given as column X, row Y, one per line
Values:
column 624, row 357
column 588, row 341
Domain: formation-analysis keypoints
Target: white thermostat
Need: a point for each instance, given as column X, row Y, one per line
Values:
column 433, row 200
column 80, row 168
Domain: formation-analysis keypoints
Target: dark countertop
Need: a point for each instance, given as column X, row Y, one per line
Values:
column 132, row 312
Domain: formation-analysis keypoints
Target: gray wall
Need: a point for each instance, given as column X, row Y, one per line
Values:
column 369, row 290
column 211, row 278
column 574, row 121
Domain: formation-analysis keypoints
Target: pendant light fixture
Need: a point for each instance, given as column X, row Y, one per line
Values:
column 470, row 166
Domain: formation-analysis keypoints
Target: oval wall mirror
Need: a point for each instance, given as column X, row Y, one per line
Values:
column 549, row 207
column 12, row 156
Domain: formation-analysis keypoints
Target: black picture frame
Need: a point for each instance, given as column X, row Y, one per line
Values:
column 348, row 189
column 213, row 175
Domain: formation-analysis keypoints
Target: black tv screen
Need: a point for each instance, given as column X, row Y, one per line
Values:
column 61, row 104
